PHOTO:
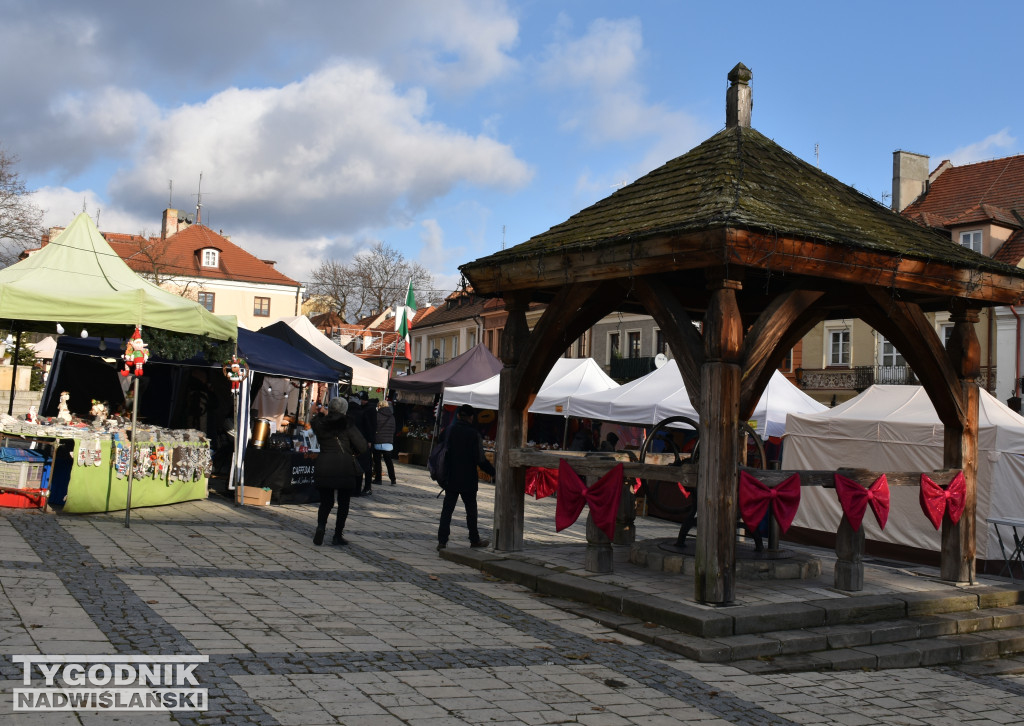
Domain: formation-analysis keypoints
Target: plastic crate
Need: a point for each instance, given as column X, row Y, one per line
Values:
column 21, row 474
column 24, row 499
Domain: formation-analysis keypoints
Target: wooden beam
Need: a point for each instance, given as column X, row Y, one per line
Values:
column 715, row 562
column 907, row 328
column 686, row 343
column 575, row 309
column 778, row 328
column 602, row 260
column 960, row 447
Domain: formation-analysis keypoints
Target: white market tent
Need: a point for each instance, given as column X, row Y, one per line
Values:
column 896, row 428
column 364, row 373
column 661, row 394
column 569, row 377
column 45, row 348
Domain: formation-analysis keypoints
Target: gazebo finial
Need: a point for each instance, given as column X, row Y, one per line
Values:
column 738, row 101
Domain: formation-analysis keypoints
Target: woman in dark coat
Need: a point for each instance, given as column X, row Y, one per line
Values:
column 335, row 473
column 384, row 444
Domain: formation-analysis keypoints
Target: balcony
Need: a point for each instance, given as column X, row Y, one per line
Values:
column 629, row 369
column 860, row 377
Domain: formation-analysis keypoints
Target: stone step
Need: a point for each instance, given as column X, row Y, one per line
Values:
column 949, row 624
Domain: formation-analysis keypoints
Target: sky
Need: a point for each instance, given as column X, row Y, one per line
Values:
column 451, row 128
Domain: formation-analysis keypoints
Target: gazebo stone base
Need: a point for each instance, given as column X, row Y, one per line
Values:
column 665, row 556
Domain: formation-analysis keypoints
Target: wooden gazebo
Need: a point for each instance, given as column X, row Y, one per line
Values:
column 757, row 246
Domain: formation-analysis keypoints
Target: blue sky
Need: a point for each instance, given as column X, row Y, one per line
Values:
column 446, row 127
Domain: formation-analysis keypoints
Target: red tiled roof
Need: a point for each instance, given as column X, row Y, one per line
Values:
column 180, row 254
column 1012, row 250
column 997, row 185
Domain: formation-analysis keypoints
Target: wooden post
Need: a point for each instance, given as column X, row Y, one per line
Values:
column 625, row 520
column 510, row 484
column 961, row 447
column 598, row 557
column 719, row 439
column 849, row 572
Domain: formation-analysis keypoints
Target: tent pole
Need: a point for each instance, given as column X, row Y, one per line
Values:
column 565, row 435
column 14, row 373
column 131, row 453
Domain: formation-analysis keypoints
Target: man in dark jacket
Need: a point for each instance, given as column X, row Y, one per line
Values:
column 465, row 454
column 367, row 425
column 335, row 471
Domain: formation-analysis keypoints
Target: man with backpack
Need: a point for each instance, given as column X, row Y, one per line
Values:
column 465, row 452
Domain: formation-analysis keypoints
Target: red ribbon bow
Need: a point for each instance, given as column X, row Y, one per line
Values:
column 603, row 498
column 855, row 499
column 541, row 482
column 755, row 498
column 935, row 500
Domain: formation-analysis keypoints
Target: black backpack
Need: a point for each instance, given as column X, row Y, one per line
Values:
column 437, row 460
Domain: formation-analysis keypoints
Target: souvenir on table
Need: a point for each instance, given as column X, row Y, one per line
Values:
column 63, row 414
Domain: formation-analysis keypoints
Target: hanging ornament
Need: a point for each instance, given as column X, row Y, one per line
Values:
column 236, row 371
column 135, row 354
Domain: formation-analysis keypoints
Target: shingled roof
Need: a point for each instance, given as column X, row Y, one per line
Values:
column 741, row 179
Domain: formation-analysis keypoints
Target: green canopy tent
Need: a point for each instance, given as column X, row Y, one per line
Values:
column 79, row 282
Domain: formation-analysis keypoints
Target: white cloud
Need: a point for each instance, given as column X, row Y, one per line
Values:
column 432, row 254
column 341, row 150
column 995, row 145
column 597, row 77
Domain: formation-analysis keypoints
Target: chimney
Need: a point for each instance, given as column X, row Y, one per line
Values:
column 909, row 178
column 170, row 225
column 737, row 99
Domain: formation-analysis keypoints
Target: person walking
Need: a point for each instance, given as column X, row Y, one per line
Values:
column 465, row 452
column 367, row 425
column 336, row 472
column 384, row 443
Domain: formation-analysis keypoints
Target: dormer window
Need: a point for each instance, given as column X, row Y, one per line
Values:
column 211, row 257
column 971, row 240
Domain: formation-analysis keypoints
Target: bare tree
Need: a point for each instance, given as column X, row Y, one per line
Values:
column 21, row 221
column 374, row 280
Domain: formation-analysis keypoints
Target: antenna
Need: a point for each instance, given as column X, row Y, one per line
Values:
column 98, row 210
column 199, row 201
column 83, row 204
column 817, row 162
column 503, row 237
column 170, row 193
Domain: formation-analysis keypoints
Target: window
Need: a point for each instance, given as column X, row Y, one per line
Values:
column 839, row 348
column 947, row 332
column 210, row 257
column 659, row 343
column 471, row 338
column 455, row 345
column 888, row 355
column 787, row 362
column 971, row 240
column 633, row 341
column 261, row 307
column 613, row 346
column 206, row 300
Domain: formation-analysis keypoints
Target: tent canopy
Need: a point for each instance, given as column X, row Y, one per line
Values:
column 661, row 394
column 569, row 377
column 473, row 366
column 262, row 353
column 301, row 334
column 896, row 428
column 79, row 281
column 45, row 348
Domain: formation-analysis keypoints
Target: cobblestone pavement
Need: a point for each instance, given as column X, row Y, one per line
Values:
column 386, row 632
